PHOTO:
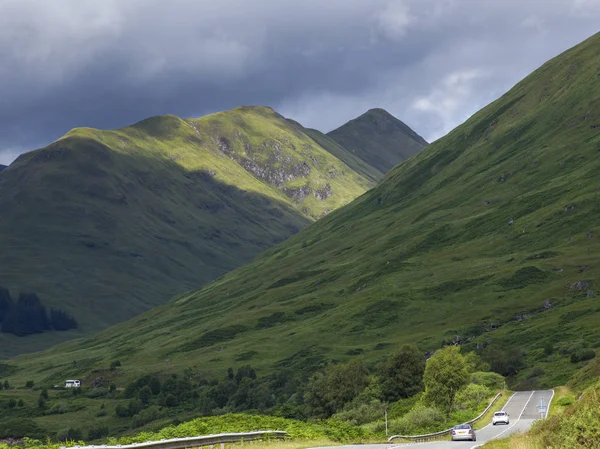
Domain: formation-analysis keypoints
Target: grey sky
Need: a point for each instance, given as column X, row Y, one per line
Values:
column 109, row 63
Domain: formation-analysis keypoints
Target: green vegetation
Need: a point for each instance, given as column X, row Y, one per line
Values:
column 378, row 139
column 446, row 374
column 341, row 401
column 107, row 224
column 488, row 238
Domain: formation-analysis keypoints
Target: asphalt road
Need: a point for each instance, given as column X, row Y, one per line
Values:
column 521, row 407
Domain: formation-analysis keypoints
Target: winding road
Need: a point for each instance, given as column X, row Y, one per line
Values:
column 521, row 407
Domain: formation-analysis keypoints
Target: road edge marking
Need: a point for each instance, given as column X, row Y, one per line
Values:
column 518, row 419
column 489, row 424
column 549, row 403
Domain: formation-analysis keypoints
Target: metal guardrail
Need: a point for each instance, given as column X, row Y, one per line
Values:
column 189, row 442
column 428, row 436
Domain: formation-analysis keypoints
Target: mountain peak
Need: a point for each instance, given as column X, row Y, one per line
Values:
column 379, row 139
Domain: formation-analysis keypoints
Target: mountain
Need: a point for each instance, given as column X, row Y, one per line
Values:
column 489, row 237
column 379, row 139
column 107, row 224
column 2, row 167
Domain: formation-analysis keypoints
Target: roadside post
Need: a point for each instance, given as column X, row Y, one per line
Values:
column 542, row 408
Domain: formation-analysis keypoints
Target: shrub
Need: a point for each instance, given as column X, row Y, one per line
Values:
column 98, row 432
column 69, row 434
column 582, row 355
column 361, row 413
column 145, row 394
column 171, row 401
column 563, row 402
column 471, row 397
column 29, row 384
column 145, row 416
column 420, row 419
column 21, row 427
column 493, row 381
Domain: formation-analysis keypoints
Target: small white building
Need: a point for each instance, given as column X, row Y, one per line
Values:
column 72, row 383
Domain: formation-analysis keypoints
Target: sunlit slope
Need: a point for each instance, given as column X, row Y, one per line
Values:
column 490, row 235
column 107, row 224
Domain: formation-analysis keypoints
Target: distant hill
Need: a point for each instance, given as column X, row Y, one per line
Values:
column 2, row 167
column 379, row 139
column 488, row 238
column 107, row 224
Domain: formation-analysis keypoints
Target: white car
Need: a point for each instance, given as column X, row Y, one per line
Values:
column 500, row 418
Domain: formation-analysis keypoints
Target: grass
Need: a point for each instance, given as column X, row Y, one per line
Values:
column 108, row 224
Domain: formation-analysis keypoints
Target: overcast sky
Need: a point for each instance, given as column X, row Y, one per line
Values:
column 109, row 63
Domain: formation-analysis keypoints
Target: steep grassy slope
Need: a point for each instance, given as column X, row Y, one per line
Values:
column 490, row 234
column 379, row 139
column 107, row 224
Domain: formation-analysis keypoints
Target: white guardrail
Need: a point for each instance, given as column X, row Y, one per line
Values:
column 189, row 442
column 428, row 436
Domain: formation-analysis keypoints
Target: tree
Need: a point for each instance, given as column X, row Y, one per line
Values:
column 154, row 385
column 446, row 373
column 401, row 375
column 6, row 303
column 61, row 320
column 329, row 391
column 507, row 362
column 145, row 394
column 27, row 316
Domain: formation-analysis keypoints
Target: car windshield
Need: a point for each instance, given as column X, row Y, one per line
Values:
column 500, row 413
column 462, row 426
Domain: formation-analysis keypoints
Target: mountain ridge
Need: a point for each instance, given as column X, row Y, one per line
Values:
column 379, row 139
column 207, row 193
column 499, row 217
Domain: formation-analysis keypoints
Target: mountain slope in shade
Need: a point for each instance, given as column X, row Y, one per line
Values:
column 379, row 139
column 107, row 224
column 2, row 167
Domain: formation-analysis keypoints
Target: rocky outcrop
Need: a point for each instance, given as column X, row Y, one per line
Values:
column 278, row 168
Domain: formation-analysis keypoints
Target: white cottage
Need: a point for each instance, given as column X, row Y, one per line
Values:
column 72, row 383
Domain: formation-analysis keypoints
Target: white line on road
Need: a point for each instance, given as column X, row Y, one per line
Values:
column 518, row 419
column 489, row 424
column 549, row 402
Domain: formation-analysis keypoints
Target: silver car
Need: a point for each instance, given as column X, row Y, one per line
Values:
column 463, row 432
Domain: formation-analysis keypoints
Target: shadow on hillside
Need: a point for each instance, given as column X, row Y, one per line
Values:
column 106, row 235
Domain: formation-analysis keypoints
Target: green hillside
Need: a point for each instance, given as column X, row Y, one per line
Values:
column 488, row 238
column 377, row 138
column 108, row 224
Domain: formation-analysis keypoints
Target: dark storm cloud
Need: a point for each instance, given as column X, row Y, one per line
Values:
column 432, row 63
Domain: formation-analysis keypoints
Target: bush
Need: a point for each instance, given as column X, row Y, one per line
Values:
column 361, row 413
column 563, row 402
column 171, row 401
column 21, row 427
column 69, row 434
column 145, row 416
column 420, row 419
column 121, row 411
column 29, row 384
column 98, row 432
column 470, row 397
column 493, row 381
column 582, row 355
